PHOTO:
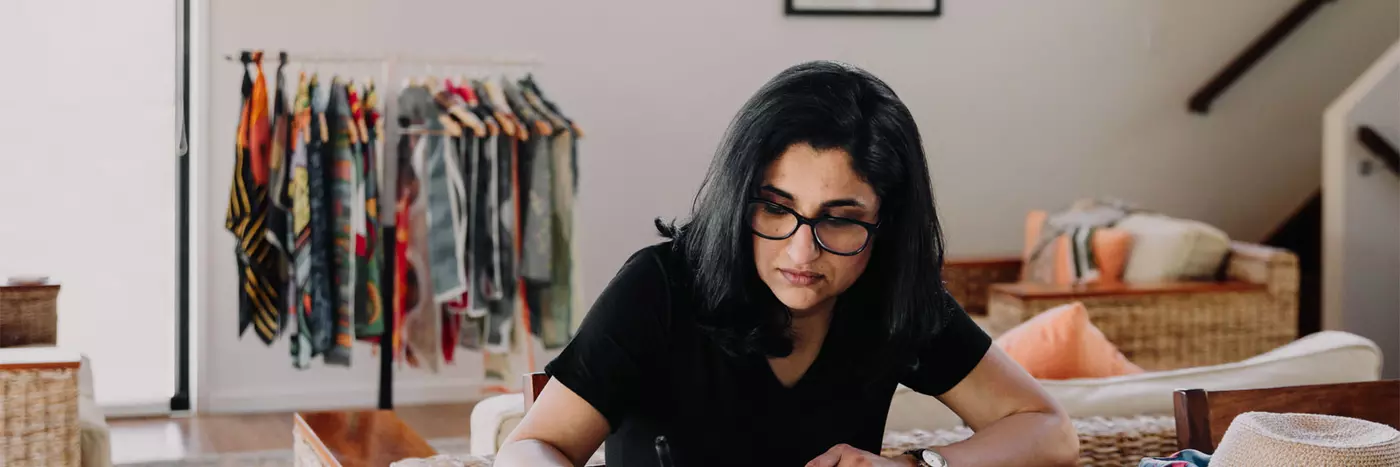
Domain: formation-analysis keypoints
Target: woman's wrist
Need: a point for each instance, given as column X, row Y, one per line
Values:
column 907, row 460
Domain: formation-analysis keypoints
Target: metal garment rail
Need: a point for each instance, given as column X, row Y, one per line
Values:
column 388, row 66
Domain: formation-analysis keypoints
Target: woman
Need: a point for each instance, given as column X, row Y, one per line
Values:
column 774, row 326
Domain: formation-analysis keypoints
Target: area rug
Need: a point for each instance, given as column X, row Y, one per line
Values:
column 278, row 458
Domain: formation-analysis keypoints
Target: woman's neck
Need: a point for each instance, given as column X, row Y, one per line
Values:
column 810, row 326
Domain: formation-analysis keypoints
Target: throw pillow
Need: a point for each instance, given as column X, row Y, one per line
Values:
column 1099, row 259
column 1167, row 249
column 1061, row 343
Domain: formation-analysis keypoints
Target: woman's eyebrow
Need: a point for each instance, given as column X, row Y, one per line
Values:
column 835, row 203
column 777, row 192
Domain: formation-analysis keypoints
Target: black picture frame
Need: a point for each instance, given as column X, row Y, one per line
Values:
column 792, row 10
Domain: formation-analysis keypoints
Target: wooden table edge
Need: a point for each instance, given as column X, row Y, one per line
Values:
column 318, row 445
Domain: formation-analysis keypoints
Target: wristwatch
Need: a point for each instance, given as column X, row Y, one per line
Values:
column 928, row 458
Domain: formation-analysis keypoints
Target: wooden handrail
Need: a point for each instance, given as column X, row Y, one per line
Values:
column 1378, row 145
column 1200, row 101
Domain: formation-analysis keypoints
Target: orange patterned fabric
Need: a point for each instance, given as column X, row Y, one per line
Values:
column 1108, row 250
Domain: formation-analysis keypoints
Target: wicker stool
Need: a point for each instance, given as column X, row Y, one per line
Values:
column 39, row 408
column 28, row 314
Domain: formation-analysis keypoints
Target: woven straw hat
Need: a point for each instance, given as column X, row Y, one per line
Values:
column 1262, row 438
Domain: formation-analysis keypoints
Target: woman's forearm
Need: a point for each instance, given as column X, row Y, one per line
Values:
column 1027, row 438
column 529, row 452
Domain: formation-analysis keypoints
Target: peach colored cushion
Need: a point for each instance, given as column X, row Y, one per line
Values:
column 1111, row 247
column 1061, row 343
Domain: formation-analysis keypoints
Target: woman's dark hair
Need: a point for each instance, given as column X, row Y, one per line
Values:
column 827, row 105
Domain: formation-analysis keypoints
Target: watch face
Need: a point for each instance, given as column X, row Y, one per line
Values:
column 933, row 459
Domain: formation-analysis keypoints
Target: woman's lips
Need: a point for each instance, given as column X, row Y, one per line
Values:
column 800, row 278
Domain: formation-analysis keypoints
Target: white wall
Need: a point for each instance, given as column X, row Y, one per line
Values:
column 1022, row 103
column 88, row 181
column 1361, row 225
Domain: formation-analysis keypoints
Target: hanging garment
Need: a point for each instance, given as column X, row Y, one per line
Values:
column 259, row 290
column 501, row 312
column 536, row 185
column 536, row 188
column 320, row 288
column 486, row 236
column 406, row 187
column 369, row 321
column 279, row 218
column 342, row 178
column 421, row 317
column 422, row 324
column 298, row 190
column 557, row 328
column 441, row 178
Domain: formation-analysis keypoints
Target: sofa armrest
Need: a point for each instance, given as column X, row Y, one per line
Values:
column 1275, row 268
column 969, row 280
column 492, row 421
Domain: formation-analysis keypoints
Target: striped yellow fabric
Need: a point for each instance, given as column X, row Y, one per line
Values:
column 260, row 302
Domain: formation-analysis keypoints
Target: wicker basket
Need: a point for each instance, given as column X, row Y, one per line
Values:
column 28, row 315
column 39, row 411
column 1102, row 441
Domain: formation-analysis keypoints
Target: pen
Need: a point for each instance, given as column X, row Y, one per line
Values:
column 663, row 452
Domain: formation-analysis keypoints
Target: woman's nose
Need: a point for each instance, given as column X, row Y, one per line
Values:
column 802, row 246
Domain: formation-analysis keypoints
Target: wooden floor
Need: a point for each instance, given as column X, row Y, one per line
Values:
column 165, row 438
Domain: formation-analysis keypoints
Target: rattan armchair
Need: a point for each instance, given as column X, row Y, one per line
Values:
column 1251, row 309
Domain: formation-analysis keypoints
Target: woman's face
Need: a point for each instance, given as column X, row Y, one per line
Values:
column 814, row 183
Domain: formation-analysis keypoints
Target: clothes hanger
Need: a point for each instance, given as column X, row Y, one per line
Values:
column 352, row 98
column 502, row 109
column 529, row 81
column 554, row 121
column 366, row 106
column 301, row 112
column 523, row 107
column 449, row 101
column 321, row 117
column 485, row 108
column 475, row 107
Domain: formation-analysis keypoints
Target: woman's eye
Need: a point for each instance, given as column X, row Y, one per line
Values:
column 773, row 209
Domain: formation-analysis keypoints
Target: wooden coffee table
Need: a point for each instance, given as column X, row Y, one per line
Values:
column 369, row 438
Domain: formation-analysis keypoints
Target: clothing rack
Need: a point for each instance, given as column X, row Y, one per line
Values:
column 387, row 227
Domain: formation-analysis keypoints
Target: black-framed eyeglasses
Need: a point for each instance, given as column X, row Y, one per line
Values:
column 838, row 235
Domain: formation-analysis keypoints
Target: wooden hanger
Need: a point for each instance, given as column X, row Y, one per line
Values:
column 366, row 106
column 320, row 116
column 449, row 125
column 448, row 100
column 498, row 102
column 529, row 82
column 303, row 120
column 554, row 120
column 350, row 126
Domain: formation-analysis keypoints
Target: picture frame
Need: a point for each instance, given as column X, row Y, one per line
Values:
column 913, row 8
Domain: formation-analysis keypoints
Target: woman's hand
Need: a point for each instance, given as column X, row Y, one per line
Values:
column 843, row 455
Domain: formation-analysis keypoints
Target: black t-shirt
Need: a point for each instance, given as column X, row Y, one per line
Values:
column 641, row 360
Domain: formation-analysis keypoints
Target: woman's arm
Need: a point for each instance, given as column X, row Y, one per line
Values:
column 561, row 429
column 1015, row 421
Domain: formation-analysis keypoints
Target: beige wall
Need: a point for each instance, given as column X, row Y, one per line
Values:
column 1022, row 103
column 88, row 181
column 1361, row 282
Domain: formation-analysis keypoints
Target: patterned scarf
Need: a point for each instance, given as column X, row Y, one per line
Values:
column 259, row 292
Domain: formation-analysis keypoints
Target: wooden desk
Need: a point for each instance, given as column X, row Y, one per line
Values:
column 370, row 438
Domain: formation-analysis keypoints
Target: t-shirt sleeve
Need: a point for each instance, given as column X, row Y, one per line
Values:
column 948, row 357
column 620, row 340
